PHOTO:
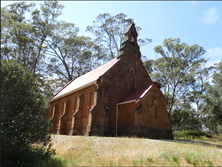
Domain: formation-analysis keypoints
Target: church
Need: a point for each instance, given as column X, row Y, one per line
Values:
column 116, row 99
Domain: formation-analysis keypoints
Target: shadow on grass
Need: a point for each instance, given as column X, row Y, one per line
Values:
column 51, row 161
column 36, row 157
column 193, row 142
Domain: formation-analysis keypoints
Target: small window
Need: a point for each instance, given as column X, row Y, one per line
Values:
column 154, row 105
column 131, row 79
column 154, row 111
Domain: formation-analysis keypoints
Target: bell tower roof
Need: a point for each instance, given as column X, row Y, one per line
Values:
column 131, row 33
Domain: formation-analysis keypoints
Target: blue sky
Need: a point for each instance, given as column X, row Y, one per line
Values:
column 194, row 22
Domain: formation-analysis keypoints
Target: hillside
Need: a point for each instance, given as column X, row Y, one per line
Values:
column 122, row 151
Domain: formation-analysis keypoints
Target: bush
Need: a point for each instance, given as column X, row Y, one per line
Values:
column 190, row 134
column 23, row 120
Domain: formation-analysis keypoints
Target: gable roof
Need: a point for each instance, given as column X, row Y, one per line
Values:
column 85, row 80
column 135, row 95
column 132, row 25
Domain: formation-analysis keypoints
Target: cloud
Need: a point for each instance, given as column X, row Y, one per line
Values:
column 214, row 53
column 211, row 63
column 211, row 16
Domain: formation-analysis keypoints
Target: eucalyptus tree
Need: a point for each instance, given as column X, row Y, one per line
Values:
column 109, row 31
column 201, row 75
column 43, row 21
column 211, row 106
column 15, row 31
column 174, row 67
column 70, row 55
column 24, row 29
column 23, row 39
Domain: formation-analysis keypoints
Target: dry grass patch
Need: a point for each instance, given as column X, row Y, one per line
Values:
column 110, row 151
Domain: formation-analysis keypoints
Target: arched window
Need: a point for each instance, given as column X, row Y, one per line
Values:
column 154, row 105
column 132, row 78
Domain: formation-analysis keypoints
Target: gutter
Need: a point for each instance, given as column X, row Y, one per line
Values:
column 126, row 102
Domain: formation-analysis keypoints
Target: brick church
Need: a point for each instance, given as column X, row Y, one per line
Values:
column 115, row 99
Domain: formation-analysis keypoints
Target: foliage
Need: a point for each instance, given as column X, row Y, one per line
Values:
column 185, row 120
column 109, row 31
column 69, row 55
column 23, row 110
column 211, row 107
column 174, row 67
column 190, row 134
column 148, row 64
column 23, row 40
column 201, row 75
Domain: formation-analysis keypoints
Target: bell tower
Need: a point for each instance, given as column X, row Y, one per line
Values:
column 131, row 33
column 129, row 47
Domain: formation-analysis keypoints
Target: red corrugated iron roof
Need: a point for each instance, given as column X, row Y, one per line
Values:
column 135, row 94
column 138, row 94
column 85, row 80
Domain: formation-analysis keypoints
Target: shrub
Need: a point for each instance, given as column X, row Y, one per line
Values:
column 190, row 134
column 23, row 119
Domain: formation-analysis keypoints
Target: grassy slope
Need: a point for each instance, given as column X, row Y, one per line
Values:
column 109, row 151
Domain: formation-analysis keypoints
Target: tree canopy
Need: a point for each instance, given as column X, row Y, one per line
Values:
column 109, row 31
column 173, row 69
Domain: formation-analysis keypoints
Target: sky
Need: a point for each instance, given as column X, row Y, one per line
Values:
column 194, row 22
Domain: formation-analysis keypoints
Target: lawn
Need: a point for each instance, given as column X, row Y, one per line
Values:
column 124, row 151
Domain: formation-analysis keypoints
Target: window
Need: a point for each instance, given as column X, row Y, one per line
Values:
column 154, row 111
column 132, row 78
column 154, row 105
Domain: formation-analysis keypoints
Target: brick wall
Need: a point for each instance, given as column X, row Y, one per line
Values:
column 81, row 117
column 114, row 85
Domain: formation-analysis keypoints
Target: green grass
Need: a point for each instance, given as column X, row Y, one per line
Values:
column 176, row 158
column 150, row 159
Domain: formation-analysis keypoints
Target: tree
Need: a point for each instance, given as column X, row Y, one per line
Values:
column 185, row 120
column 148, row 64
column 201, row 74
column 71, row 55
column 23, row 40
column 211, row 107
column 109, row 31
column 23, row 111
column 173, row 69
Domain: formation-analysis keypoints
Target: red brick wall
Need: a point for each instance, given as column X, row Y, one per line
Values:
column 126, row 119
column 149, row 125
column 81, row 118
column 115, row 84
